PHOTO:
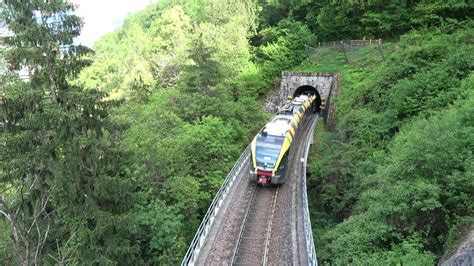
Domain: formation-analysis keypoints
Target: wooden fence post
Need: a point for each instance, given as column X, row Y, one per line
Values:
column 380, row 50
column 344, row 50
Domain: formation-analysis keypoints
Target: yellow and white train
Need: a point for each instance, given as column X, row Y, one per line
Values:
column 271, row 146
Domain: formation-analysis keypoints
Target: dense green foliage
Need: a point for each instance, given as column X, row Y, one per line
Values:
column 64, row 193
column 394, row 183
column 113, row 157
column 350, row 19
column 130, row 187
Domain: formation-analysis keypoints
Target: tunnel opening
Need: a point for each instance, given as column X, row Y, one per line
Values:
column 309, row 90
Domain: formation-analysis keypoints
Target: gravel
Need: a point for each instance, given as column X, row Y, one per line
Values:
column 220, row 246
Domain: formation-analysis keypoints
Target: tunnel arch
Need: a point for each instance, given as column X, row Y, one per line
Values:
column 306, row 89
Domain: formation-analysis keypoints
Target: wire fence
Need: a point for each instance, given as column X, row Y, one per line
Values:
column 208, row 220
column 348, row 50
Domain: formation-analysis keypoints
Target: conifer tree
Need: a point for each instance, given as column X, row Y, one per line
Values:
column 206, row 71
column 60, row 179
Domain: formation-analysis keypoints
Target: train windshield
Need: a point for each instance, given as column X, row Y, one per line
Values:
column 267, row 150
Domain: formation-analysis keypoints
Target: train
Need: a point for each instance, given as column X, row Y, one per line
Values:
column 271, row 146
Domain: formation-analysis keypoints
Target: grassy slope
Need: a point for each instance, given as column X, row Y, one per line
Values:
column 393, row 183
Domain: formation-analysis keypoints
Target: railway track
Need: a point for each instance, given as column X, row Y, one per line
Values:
column 284, row 248
column 259, row 225
column 268, row 231
column 256, row 231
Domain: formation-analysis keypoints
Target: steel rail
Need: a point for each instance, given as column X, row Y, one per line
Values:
column 269, row 230
column 310, row 247
column 242, row 227
column 298, row 153
column 245, row 223
column 209, row 218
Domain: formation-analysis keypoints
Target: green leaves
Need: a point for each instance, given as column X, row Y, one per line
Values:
column 402, row 153
column 283, row 46
column 68, row 196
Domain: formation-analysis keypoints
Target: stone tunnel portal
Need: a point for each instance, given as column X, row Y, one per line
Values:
column 306, row 89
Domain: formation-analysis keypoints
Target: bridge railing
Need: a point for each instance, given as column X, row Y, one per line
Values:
column 209, row 218
column 310, row 248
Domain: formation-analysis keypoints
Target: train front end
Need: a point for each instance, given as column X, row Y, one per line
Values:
column 270, row 148
column 268, row 153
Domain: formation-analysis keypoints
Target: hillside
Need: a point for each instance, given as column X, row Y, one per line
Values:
column 111, row 155
column 394, row 181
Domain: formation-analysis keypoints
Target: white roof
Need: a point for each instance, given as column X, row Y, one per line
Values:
column 300, row 99
column 279, row 125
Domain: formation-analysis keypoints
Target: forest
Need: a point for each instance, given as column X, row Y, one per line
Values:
column 111, row 154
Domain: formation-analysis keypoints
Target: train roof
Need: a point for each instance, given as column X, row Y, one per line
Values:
column 300, row 99
column 279, row 125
